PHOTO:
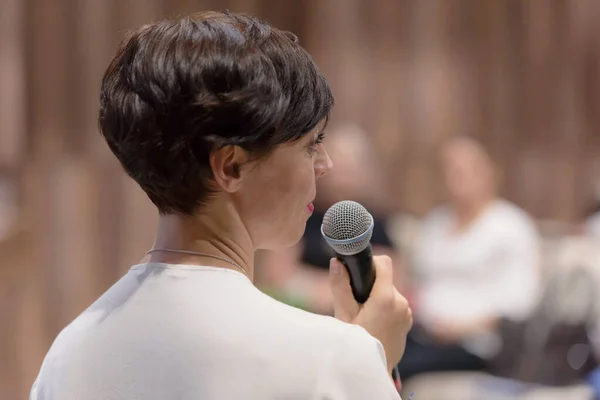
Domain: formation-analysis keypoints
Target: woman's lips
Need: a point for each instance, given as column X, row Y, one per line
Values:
column 311, row 207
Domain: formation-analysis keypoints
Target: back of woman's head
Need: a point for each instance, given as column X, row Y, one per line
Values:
column 177, row 90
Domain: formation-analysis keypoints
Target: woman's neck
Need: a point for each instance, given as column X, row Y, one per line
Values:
column 467, row 214
column 224, row 237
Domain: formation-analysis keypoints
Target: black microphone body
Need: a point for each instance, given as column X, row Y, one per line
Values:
column 347, row 228
column 361, row 271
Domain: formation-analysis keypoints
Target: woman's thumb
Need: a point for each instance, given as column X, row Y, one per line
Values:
column 344, row 305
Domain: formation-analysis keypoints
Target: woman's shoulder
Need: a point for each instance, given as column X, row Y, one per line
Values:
column 509, row 213
column 300, row 319
column 511, row 223
column 437, row 214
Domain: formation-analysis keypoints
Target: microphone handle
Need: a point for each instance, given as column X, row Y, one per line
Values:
column 361, row 271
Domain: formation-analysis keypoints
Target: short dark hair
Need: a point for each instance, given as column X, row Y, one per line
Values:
column 179, row 89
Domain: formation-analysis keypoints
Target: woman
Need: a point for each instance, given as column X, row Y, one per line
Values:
column 219, row 118
column 476, row 263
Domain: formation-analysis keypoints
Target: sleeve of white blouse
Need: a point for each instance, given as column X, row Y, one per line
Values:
column 516, row 271
column 355, row 369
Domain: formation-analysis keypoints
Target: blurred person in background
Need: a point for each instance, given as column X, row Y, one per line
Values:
column 356, row 176
column 476, row 262
column 219, row 118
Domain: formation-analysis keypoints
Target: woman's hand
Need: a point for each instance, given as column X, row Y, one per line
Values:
column 386, row 315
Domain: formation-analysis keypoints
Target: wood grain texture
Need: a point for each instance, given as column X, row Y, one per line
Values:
column 522, row 76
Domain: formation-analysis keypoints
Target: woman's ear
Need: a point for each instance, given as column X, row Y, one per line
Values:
column 226, row 164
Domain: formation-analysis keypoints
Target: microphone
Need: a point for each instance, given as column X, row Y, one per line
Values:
column 347, row 228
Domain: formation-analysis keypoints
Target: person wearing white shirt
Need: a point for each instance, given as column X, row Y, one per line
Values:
column 476, row 262
column 220, row 117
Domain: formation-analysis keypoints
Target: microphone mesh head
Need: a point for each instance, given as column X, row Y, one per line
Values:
column 347, row 227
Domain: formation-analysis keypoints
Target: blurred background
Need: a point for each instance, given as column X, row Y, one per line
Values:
column 520, row 78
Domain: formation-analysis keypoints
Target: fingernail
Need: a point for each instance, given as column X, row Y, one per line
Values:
column 334, row 266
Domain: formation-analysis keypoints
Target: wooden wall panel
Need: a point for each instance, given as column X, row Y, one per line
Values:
column 13, row 83
column 521, row 76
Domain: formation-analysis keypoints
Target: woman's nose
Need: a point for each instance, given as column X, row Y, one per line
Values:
column 323, row 163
